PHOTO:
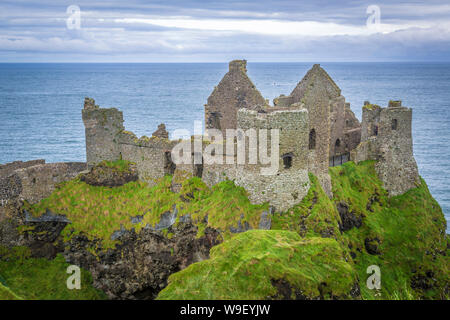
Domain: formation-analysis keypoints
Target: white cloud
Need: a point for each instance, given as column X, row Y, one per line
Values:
column 270, row 26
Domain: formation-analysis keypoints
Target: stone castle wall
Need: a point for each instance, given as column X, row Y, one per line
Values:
column 315, row 125
column 106, row 139
column 151, row 155
column 33, row 182
column 290, row 183
column 387, row 138
column 235, row 91
column 102, row 127
column 8, row 168
column 334, row 129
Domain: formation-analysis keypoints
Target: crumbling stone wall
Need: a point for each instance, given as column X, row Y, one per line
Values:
column 334, row 129
column 352, row 130
column 290, row 183
column 102, row 127
column 337, row 126
column 387, row 138
column 319, row 94
column 8, row 168
column 36, row 182
column 151, row 155
column 235, row 91
column 107, row 139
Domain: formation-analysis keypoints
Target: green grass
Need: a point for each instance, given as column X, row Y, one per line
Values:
column 225, row 205
column 100, row 211
column 315, row 215
column 410, row 227
column 7, row 294
column 305, row 248
column 119, row 165
column 40, row 279
column 246, row 266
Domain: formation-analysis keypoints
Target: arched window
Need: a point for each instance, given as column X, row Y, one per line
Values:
column 312, row 139
column 287, row 160
column 394, row 124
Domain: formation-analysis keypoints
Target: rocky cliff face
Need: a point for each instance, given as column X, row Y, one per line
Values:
column 131, row 260
column 198, row 243
column 138, row 268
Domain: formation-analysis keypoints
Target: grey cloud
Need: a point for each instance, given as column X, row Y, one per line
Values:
column 36, row 30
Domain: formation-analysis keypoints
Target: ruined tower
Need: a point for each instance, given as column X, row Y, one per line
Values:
column 235, row 91
column 106, row 139
column 290, row 183
column 387, row 137
column 101, row 129
column 334, row 129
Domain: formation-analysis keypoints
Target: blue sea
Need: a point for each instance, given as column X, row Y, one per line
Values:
column 40, row 104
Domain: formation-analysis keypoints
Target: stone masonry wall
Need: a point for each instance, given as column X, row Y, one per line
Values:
column 289, row 184
column 8, row 168
column 387, row 138
column 334, row 129
column 318, row 92
column 396, row 167
column 34, row 183
column 235, row 91
column 102, row 127
column 107, row 139
column 151, row 155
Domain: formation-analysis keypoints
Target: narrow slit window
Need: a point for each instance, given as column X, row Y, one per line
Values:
column 287, row 161
column 394, row 124
column 312, row 139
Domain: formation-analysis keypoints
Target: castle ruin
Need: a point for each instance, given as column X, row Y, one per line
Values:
column 387, row 138
column 317, row 130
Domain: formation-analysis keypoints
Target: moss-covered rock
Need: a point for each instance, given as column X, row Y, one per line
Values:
column 132, row 237
column 100, row 212
column 111, row 174
column 403, row 235
column 23, row 277
column 261, row 264
column 315, row 215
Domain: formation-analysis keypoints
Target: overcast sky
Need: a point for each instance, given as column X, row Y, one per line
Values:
column 202, row 31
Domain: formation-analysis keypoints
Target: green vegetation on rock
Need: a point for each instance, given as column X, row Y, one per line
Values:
column 261, row 264
column 320, row 248
column 7, row 294
column 119, row 165
column 404, row 234
column 315, row 215
column 100, row 211
column 224, row 206
column 361, row 225
column 23, row 277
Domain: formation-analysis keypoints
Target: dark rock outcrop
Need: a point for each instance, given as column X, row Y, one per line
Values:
column 41, row 235
column 138, row 268
column 107, row 176
column 348, row 218
column 372, row 245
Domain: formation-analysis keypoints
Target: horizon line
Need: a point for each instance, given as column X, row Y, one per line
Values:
column 214, row 62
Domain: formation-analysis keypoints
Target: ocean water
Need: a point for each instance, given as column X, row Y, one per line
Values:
column 40, row 104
